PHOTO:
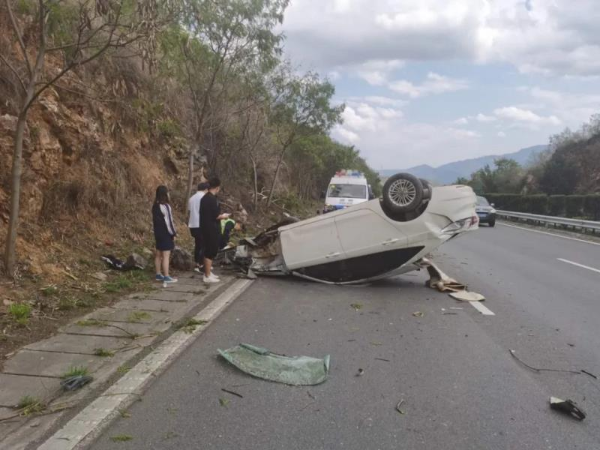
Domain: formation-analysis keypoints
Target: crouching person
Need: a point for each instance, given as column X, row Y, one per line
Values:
column 228, row 226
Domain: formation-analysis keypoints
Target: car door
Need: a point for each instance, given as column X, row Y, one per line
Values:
column 311, row 242
column 364, row 232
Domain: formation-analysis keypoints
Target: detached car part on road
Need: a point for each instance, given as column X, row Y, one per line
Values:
column 375, row 239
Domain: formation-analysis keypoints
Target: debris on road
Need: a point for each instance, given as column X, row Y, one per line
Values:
column 360, row 372
column 418, row 314
column 401, row 411
column 232, row 393
column 439, row 280
column 467, row 296
column 75, row 382
column 382, row 359
column 443, row 283
column 535, row 369
column 590, row 374
column 356, row 306
column 223, row 402
column 261, row 363
column 567, row 407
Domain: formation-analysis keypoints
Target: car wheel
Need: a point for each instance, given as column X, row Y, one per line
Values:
column 402, row 193
column 427, row 189
column 492, row 223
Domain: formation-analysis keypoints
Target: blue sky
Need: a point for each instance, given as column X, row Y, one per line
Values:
column 434, row 81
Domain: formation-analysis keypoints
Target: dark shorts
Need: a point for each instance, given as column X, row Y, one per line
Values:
column 198, row 246
column 164, row 243
column 210, row 242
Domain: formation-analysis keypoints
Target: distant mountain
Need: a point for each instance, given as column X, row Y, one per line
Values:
column 448, row 173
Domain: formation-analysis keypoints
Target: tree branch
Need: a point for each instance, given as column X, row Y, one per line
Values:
column 19, row 37
column 71, row 65
column 13, row 70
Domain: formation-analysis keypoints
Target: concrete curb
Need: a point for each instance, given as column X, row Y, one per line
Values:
column 89, row 423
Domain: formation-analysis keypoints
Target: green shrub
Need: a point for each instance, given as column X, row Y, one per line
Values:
column 20, row 312
column 574, row 205
column 169, row 128
column 536, row 204
column 557, row 205
column 507, row 202
column 591, row 206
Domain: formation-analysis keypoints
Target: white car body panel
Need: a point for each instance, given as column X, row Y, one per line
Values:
column 362, row 243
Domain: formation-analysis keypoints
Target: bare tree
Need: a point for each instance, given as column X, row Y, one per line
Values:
column 88, row 29
column 301, row 107
column 223, row 40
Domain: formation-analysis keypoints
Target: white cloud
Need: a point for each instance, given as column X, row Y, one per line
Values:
column 483, row 118
column 434, row 84
column 363, row 115
column 572, row 109
column 464, row 133
column 345, row 135
column 524, row 116
column 334, row 75
column 501, row 134
column 377, row 72
column 461, row 121
column 538, row 37
column 382, row 101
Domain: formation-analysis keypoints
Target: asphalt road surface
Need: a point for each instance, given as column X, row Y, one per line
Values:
column 460, row 386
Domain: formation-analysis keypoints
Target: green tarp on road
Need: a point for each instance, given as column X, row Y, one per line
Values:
column 261, row 363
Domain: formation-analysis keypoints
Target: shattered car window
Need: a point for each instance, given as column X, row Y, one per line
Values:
column 347, row 191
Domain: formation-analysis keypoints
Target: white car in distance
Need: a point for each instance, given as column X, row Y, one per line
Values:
column 347, row 188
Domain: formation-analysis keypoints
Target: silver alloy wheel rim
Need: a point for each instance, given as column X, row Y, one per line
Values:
column 402, row 192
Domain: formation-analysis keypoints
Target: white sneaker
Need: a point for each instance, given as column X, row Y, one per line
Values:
column 214, row 275
column 209, row 280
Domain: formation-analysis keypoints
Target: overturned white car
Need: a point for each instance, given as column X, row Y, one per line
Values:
column 372, row 240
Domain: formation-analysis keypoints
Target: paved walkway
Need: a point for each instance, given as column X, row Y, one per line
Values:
column 120, row 333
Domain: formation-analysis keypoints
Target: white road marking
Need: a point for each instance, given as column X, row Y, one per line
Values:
column 482, row 309
column 579, row 265
column 94, row 418
column 550, row 234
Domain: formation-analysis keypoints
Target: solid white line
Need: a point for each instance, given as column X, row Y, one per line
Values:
column 482, row 309
column 550, row 234
column 578, row 265
column 93, row 419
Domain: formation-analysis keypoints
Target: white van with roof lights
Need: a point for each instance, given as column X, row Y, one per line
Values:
column 347, row 188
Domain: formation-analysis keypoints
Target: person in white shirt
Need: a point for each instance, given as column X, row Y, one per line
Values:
column 194, row 223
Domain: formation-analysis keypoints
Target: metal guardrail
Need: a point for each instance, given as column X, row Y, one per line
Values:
column 551, row 220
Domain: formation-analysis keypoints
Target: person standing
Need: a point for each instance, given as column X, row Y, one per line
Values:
column 210, row 216
column 164, row 234
column 194, row 223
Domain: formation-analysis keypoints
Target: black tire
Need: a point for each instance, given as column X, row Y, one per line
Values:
column 492, row 223
column 427, row 189
column 402, row 193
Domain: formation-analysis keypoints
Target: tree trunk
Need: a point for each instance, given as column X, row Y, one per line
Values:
column 270, row 200
column 188, row 192
column 255, row 182
column 15, row 195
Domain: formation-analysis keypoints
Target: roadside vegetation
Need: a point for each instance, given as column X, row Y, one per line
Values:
column 92, row 121
column 562, row 181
